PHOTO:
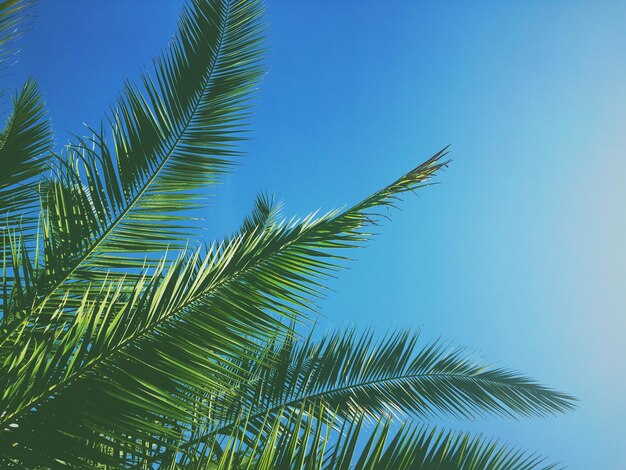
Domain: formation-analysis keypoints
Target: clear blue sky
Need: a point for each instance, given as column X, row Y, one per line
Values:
column 519, row 253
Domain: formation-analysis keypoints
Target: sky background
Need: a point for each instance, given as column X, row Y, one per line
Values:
column 518, row 254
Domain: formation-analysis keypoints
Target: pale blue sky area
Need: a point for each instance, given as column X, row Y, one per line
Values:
column 518, row 254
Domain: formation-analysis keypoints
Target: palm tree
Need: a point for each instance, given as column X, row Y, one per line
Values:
column 129, row 341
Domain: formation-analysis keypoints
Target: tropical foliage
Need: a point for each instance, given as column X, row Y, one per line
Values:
column 127, row 340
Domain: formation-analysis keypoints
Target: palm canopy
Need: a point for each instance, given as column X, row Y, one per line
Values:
column 128, row 341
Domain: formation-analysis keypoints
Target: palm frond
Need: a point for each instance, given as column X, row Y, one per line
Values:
column 120, row 201
column 171, row 138
column 24, row 153
column 355, row 375
column 423, row 447
column 25, row 143
column 205, row 308
column 305, row 440
column 12, row 19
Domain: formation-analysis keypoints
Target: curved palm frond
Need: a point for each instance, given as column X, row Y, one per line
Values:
column 25, row 139
column 307, row 440
column 116, row 201
column 25, row 143
column 205, row 308
column 355, row 375
column 201, row 84
column 24, row 155
column 12, row 19
column 423, row 447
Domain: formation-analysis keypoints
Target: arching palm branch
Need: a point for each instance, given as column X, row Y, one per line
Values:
column 127, row 340
column 305, row 441
column 353, row 380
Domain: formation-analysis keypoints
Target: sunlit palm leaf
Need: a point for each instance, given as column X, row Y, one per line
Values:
column 422, row 447
column 158, row 361
column 304, row 440
column 201, row 84
column 117, row 199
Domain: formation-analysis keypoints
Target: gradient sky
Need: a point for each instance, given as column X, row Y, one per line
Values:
column 518, row 254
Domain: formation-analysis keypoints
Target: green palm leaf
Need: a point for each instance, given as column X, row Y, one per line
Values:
column 421, row 447
column 12, row 18
column 26, row 138
column 355, row 375
column 307, row 440
column 24, row 155
column 104, row 197
column 24, row 146
column 205, row 308
column 115, row 200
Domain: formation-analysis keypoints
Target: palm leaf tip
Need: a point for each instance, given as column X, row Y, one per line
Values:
column 13, row 15
column 414, row 179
